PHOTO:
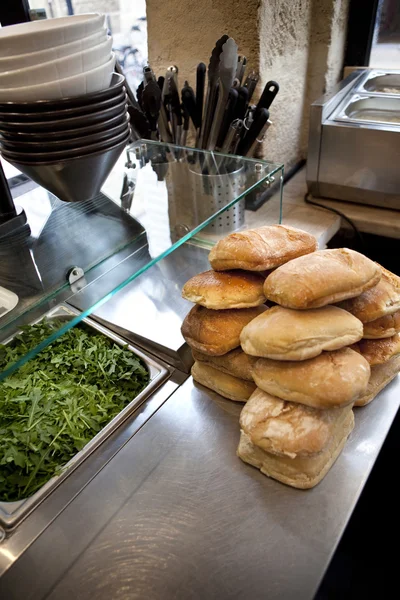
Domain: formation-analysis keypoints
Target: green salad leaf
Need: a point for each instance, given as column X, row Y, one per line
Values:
column 58, row 401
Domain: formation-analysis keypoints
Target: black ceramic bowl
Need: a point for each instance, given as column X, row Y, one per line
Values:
column 51, row 115
column 116, row 85
column 64, row 124
column 50, row 136
column 60, row 145
column 44, row 158
column 78, row 178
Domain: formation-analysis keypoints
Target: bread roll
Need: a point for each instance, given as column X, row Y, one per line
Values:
column 287, row 428
column 261, row 249
column 332, row 379
column 216, row 332
column 321, row 278
column 300, row 472
column 377, row 302
column 378, row 352
column 235, row 363
column 229, row 289
column 381, row 376
column 226, row 385
column 384, row 327
column 286, row 334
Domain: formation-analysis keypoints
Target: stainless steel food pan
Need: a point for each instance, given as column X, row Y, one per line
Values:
column 380, row 83
column 370, row 109
column 11, row 513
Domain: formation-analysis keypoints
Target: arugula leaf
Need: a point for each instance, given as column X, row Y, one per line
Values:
column 56, row 403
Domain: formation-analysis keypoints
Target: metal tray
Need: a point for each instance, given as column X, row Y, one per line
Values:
column 380, row 83
column 370, row 109
column 11, row 513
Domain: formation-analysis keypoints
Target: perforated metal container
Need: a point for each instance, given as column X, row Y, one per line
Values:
column 213, row 192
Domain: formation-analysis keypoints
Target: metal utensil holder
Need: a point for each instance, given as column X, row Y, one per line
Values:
column 211, row 193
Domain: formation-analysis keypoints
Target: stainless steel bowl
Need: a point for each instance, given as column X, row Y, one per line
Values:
column 65, row 124
column 61, row 145
column 45, row 158
column 115, row 88
column 50, row 136
column 51, row 115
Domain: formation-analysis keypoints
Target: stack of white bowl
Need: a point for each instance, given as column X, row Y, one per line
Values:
column 55, row 58
column 63, row 111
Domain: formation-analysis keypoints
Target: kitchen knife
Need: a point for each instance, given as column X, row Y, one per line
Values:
column 139, row 122
column 200, row 84
column 189, row 102
column 151, row 104
column 241, row 67
column 267, row 97
column 211, row 99
column 139, row 94
column 232, row 137
column 163, row 127
column 241, row 104
column 185, row 129
column 259, row 139
column 260, row 119
column 176, row 115
column 250, row 83
column 227, row 71
column 228, row 116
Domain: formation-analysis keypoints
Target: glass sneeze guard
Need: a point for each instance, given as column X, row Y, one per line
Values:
column 156, row 198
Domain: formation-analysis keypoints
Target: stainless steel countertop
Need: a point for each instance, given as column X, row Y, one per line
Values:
column 175, row 514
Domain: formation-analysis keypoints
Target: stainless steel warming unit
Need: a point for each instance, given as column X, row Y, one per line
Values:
column 354, row 141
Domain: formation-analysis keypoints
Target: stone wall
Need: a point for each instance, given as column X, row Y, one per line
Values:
column 299, row 43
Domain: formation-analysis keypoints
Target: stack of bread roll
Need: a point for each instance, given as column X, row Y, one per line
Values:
column 301, row 364
column 228, row 298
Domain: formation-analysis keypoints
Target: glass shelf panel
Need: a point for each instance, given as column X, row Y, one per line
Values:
column 169, row 195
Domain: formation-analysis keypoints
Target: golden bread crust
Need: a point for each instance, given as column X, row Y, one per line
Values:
column 226, row 385
column 378, row 352
column 216, row 332
column 384, row 327
column 332, row 379
column 321, row 278
column 225, row 289
column 261, row 249
column 287, row 428
column 381, row 376
column 377, row 302
column 235, row 363
column 286, row 334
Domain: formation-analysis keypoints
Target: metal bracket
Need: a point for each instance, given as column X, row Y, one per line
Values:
column 76, row 279
column 74, row 274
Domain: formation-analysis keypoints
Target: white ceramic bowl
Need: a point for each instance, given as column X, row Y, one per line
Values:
column 47, row 33
column 85, row 83
column 60, row 68
column 22, row 61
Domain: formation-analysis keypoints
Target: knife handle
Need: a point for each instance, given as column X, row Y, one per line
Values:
column 259, row 140
column 260, row 119
column 200, row 85
column 233, row 135
column 241, row 104
column 267, row 97
column 189, row 103
column 228, row 116
column 251, row 83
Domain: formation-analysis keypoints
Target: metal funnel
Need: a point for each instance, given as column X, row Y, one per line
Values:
column 75, row 179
